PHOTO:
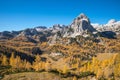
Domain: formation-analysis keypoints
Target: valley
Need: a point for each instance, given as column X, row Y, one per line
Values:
column 79, row 51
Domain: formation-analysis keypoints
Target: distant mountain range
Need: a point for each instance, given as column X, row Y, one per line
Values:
column 112, row 25
column 80, row 26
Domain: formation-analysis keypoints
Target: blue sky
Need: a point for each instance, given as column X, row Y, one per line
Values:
column 21, row 14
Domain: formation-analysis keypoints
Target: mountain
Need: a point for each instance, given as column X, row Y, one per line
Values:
column 112, row 25
column 41, row 28
column 8, row 35
column 82, row 50
column 28, row 32
column 80, row 26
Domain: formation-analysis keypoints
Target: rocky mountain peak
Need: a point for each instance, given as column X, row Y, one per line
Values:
column 41, row 28
column 81, row 24
column 82, row 16
column 28, row 32
column 57, row 26
column 111, row 21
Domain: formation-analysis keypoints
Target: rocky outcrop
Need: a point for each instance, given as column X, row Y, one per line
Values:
column 28, row 32
column 112, row 21
column 112, row 25
column 80, row 26
column 41, row 28
column 5, row 35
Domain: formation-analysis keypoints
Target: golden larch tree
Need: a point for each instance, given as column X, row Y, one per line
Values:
column 4, row 61
column 74, row 78
column 37, row 63
column 12, row 60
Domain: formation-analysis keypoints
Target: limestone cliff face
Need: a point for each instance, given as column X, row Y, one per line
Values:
column 81, row 24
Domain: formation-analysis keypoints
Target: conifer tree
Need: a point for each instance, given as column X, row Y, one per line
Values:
column 47, row 66
column 74, row 78
column 88, row 66
column 37, row 63
column 28, row 66
column 12, row 60
column 99, row 73
column 65, row 69
column 17, row 62
column 4, row 61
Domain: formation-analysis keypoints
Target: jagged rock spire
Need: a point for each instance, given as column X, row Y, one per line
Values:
column 82, row 16
column 82, row 24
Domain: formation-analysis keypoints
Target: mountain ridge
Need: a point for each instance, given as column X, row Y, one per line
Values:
column 80, row 26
